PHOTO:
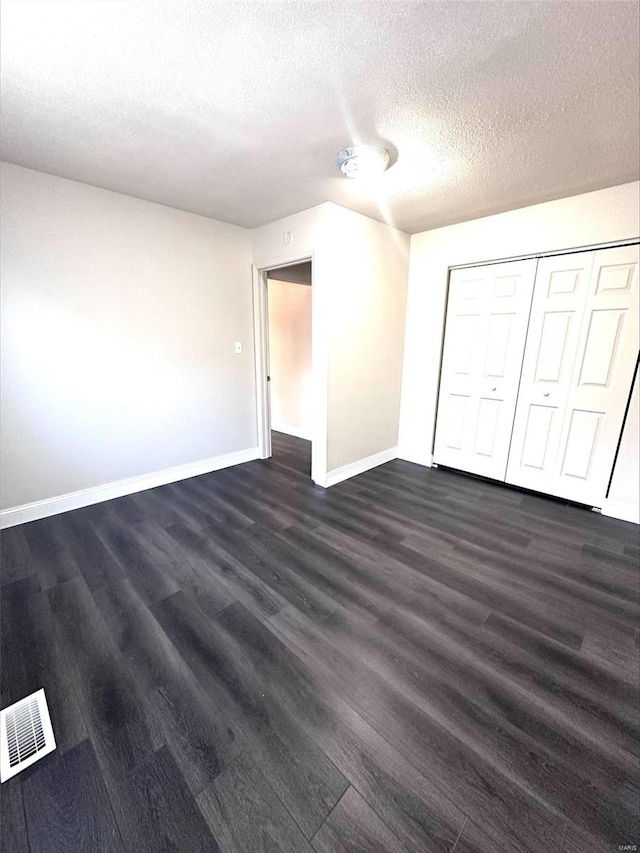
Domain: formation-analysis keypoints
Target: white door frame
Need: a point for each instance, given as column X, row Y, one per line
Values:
column 261, row 333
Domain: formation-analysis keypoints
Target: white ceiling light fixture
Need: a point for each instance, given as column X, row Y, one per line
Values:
column 363, row 161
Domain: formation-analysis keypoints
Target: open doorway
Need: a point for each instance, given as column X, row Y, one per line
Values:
column 286, row 331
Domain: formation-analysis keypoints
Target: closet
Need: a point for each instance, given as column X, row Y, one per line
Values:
column 538, row 360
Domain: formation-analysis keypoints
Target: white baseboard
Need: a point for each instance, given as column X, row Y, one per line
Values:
column 86, row 497
column 621, row 509
column 425, row 459
column 359, row 467
column 296, row 432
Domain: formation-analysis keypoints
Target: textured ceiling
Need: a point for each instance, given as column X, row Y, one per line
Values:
column 237, row 110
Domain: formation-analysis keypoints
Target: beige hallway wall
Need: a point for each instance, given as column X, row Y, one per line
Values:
column 290, row 358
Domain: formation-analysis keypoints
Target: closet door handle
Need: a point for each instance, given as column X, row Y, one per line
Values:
column 494, row 389
column 546, row 394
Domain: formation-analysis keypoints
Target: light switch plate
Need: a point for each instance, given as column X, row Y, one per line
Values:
column 238, row 348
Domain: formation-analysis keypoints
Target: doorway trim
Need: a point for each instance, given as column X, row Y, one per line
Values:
column 318, row 366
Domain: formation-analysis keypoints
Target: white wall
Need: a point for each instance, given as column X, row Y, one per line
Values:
column 366, row 275
column 359, row 294
column 290, row 358
column 292, row 238
column 625, row 485
column 119, row 321
column 592, row 218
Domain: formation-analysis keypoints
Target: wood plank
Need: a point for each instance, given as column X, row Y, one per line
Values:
column 410, row 803
column 393, row 579
column 67, row 806
column 576, row 840
column 199, row 583
column 469, row 780
column 244, row 813
column 33, row 660
column 540, row 748
column 600, row 686
column 486, row 592
column 149, row 575
column 17, row 562
column 43, row 536
column 200, row 737
column 96, row 564
column 58, row 567
column 209, row 559
column 107, row 694
column 156, row 811
column 13, row 828
column 251, row 553
column 303, row 777
column 354, row 827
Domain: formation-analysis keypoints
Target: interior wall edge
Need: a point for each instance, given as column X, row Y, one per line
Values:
column 86, row 497
column 345, row 472
column 622, row 510
column 424, row 459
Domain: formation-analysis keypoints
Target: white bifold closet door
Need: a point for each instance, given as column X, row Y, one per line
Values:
column 578, row 367
column 487, row 314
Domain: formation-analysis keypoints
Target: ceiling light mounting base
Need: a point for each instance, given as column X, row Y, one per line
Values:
column 363, row 161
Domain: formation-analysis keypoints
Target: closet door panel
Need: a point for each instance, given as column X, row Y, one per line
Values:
column 607, row 353
column 487, row 314
column 550, row 353
column 585, row 376
column 541, row 431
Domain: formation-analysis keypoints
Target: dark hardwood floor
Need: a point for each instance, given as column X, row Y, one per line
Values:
column 412, row 660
